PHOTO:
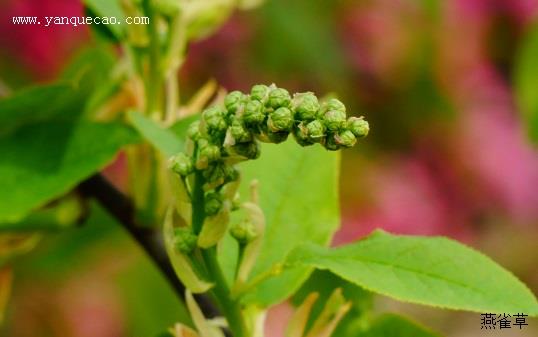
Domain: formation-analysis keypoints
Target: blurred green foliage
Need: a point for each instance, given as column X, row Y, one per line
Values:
column 150, row 304
column 526, row 81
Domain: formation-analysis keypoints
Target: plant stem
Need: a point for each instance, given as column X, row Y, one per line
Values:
column 153, row 82
column 172, row 99
column 198, row 212
column 172, row 62
column 230, row 307
column 240, row 254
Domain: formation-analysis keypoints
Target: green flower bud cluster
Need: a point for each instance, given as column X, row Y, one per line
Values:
column 270, row 114
column 244, row 232
column 185, row 240
column 231, row 133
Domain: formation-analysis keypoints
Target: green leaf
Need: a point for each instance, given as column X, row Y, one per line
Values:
column 43, row 161
column 161, row 138
column 37, row 103
column 299, row 196
column 390, row 325
column 102, row 32
column 107, row 8
column 92, row 70
column 181, row 262
column 96, row 61
column 432, row 271
column 80, row 88
column 526, row 82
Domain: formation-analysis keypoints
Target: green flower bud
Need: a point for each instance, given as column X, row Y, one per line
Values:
column 244, row 232
column 358, row 126
column 207, row 154
column 216, row 124
column 334, row 120
column 212, row 152
column 181, row 164
column 230, row 174
column 331, row 144
column 249, row 150
column 239, row 133
column 277, row 137
column 306, row 106
column 264, row 134
column 315, row 130
column 212, row 112
column 193, row 132
column 279, row 98
column 280, row 120
column 212, row 203
column 215, row 175
column 345, row 138
column 334, row 104
column 300, row 133
column 202, row 142
column 218, row 174
column 233, row 101
column 260, row 92
column 254, row 113
column 184, row 240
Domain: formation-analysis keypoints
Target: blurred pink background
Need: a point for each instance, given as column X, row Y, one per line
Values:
column 458, row 164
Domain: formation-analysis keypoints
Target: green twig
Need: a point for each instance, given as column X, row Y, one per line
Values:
column 221, row 292
column 230, row 307
column 198, row 212
column 240, row 254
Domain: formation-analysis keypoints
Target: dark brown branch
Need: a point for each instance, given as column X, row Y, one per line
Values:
column 121, row 208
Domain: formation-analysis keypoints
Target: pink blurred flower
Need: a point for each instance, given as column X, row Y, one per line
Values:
column 406, row 199
column 222, row 55
column 451, row 179
column 116, row 172
column 91, row 308
column 373, row 36
column 42, row 50
column 277, row 319
column 494, row 148
column 525, row 11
